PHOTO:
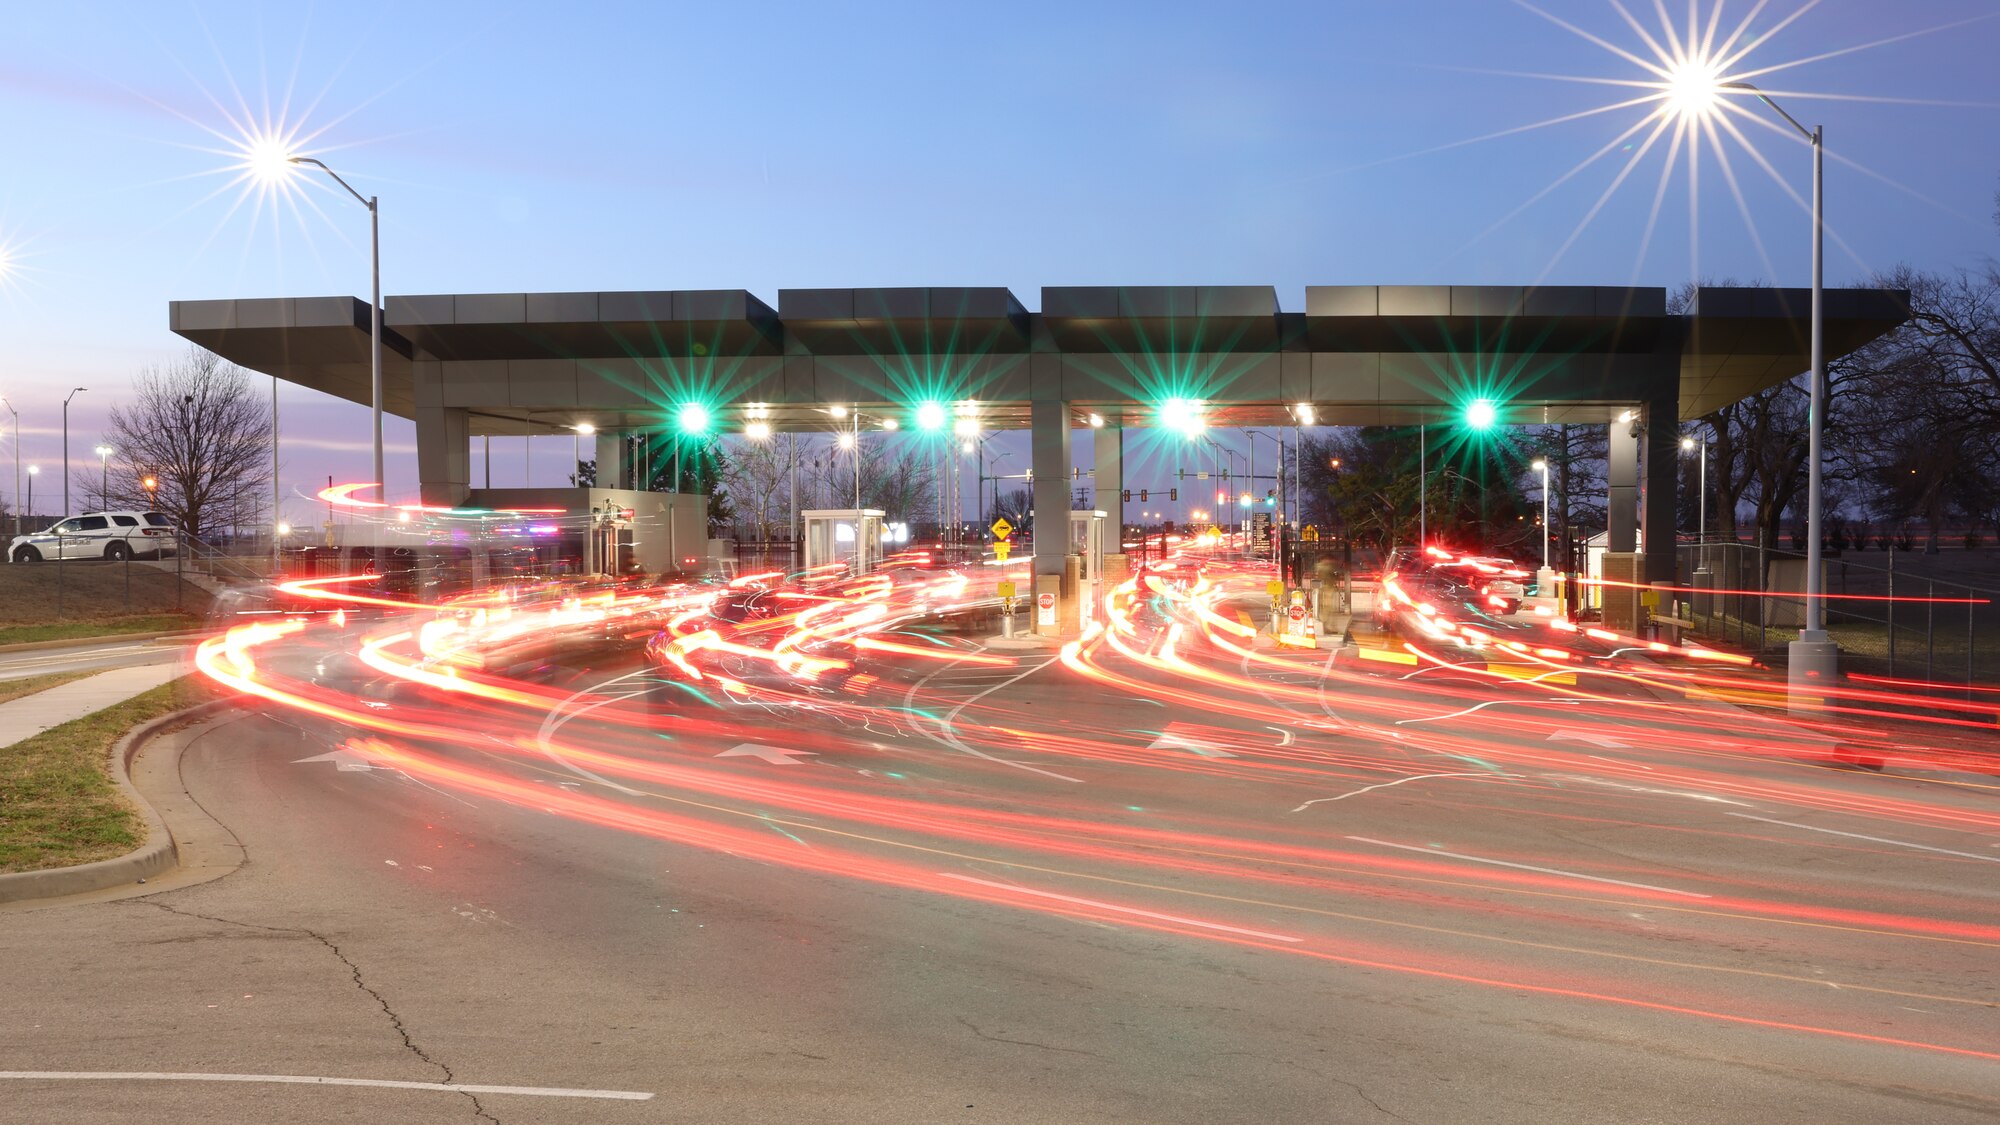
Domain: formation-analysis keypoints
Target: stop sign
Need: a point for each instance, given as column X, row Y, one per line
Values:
column 1298, row 613
column 1046, row 601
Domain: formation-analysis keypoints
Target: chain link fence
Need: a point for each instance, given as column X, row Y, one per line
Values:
column 1899, row 619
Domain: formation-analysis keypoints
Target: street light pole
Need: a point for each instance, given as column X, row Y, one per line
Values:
column 1423, row 491
column 104, row 475
column 17, row 463
column 72, row 394
column 1812, row 660
column 374, row 308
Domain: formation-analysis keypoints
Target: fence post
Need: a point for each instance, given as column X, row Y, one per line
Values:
column 1930, row 632
column 1763, row 594
column 1892, row 609
column 1970, row 605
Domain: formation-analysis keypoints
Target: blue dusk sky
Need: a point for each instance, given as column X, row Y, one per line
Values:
column 605, row 146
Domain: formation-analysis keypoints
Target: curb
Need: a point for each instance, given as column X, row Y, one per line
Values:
column 157, row 854
column 82, row 642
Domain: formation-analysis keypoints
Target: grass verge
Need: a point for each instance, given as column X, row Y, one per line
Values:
column 108, row 627
column 58, row 805
column 14, row 689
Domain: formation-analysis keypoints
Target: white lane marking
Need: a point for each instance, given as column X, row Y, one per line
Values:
column 1133, row 910
column 1871, row 839
column 319, row 1080
column 1527, row 867
column 1484, row 706
column 1398, row 781
column 1284, row 736
column 1585, row 779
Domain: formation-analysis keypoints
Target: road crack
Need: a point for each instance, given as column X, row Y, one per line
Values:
column 395, row 1020
column 970, row 1026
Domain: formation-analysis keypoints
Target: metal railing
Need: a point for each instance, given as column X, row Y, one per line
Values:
column 1889, row 620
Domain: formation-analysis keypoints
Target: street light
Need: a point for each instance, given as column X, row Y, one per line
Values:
column 1541, row 466
column 104, row 453
column 1688, row 445
column 374, row 307
column 72, row 394
column 1812, row 659
column 17, row 462
column 33, row 472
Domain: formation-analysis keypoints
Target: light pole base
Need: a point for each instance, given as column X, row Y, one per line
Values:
column 1812, row 665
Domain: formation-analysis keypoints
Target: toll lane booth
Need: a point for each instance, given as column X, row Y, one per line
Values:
column 1083, row 571
column 850, row 537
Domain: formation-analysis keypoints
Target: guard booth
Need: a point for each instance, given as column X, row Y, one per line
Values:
column 850, row 537
column 1086, row 557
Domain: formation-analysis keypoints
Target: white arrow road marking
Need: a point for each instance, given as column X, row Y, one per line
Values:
column 1176, row 742
column 1398, row 781
column 346, row 761
column 1284, row 736
column 319, row 1080
column 1603, row 740
column 1871, row 839
column 1091, row 902
column 776, row 755
column 1526, row 867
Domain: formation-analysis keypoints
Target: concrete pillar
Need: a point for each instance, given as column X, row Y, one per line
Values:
column 611, row 460
column 1108, row 448
column 1621, row 508
column 444, row 462
column 1049, row 453
column 1663, row 451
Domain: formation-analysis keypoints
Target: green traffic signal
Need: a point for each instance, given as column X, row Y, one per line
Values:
column 692, row 419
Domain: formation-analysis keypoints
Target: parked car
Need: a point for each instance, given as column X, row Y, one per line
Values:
column 98, row 535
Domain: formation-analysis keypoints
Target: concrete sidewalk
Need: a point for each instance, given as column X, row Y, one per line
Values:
column 30, row 715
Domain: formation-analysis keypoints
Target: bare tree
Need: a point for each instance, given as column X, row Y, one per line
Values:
column 199, row 431
column 758, row 475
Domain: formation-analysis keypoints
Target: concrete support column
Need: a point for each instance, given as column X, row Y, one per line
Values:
column 444, row 462
column 1108, row 448
column 611, row 460
column 1621, row 509
column 1658, row 506
column 1049, row 453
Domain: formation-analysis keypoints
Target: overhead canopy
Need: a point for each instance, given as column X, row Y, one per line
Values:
column 542, row 362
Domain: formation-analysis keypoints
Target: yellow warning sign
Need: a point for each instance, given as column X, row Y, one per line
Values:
column 1006, row 589
column 1001, row 550
column 1001, row 528
column 1275, row 588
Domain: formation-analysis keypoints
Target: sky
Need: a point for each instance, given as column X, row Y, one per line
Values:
column 606, row 146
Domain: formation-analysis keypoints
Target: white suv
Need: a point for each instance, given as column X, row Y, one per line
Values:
column 99, row 535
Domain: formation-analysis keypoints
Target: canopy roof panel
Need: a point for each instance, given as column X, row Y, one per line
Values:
column 1361, row 354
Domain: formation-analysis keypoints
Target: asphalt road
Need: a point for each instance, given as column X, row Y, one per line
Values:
column 1018, row 894
column 113, row 653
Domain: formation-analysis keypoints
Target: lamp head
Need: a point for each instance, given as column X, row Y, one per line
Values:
column 1693, row 86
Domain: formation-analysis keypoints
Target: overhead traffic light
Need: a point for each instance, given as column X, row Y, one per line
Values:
column 1126, row 496
column 1173, row 494
column 1142, row 496
column 692, row 419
